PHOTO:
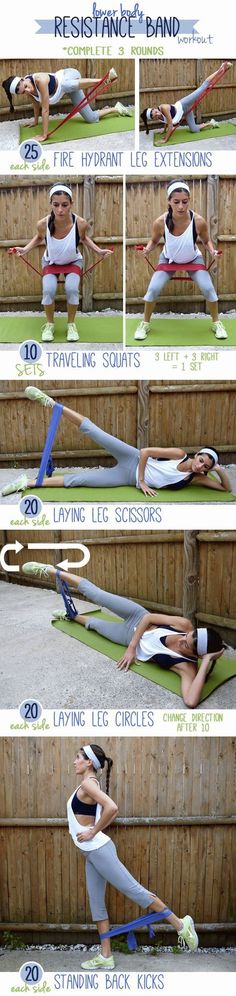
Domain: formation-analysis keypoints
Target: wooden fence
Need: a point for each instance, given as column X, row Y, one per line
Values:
column 100, row 201
column 190, row 574
column 140, row 412
column 214, row 197
column 174, row 831
column 121, row 89
column 170, row 79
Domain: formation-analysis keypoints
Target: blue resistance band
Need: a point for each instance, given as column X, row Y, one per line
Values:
column 56, row 415
column 63, row 589
column 142, row 921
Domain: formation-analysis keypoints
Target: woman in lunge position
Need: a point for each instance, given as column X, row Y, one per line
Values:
column 146, row 469
column 169, row 641
column 180, row 227
column 170, row 115
column 63, row 232
column 47, row 89
column 90, row 811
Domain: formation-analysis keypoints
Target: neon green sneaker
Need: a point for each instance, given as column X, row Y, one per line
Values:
column 98, row 962
column 187, row 936
column 20, row 484
column 34, row 394
column 142, row 330
column 72, row 334
column 59, row 614
column 48, row 332
column 125, row 112
column 36, row 570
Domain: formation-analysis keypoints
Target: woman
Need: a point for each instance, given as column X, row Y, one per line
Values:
column 146, row 469
column 171, row 114
column 64, row 232
column 90, row 811
column 180, row 228
column 169, row 641
column 46, row 89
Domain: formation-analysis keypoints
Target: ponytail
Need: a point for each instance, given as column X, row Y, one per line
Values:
column 6, row 86
column 103, row 759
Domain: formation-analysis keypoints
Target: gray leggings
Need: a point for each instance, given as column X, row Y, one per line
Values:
column 102, row 866
column 129, row 611
column 188, row 101
column 70, row 78
column 199, row 277
column 106, row 477
column 72, row 282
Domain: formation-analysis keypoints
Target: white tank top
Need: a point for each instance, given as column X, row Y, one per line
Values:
column 76, row 827
column 151, row 644
column 61, row 251
column 180, row 248
column 160, row 473
column 55, row 97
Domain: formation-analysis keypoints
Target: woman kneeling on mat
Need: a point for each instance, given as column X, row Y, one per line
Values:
column 170, row 115
column 180, row 228
column 46, row 89
column 63, row 231
column 169, row 641
column 145, row 469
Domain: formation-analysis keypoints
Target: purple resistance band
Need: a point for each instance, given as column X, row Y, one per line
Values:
column 56, row 415
column 142, row 921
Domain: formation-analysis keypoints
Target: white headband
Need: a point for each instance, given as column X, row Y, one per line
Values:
column 202, row 642
column 92, row 757
column 60, row 186
column 175, row 185
column 149, row 113
column 14, row 83
column 211, row 453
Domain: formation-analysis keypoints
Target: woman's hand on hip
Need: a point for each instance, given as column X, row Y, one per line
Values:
column 87, row 834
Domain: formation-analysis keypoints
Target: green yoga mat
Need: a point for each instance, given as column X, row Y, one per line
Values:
column 181, row 332
column 194, row 493
column 223, row 670
column 17, row 328
column 182, row 135
column 76, row 128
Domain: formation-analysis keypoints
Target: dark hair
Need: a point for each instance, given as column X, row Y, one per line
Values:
column 169, row 216
column 6, row 86
column 214, row 644
column 143, row 115
column 51, row 223
column 103, row 759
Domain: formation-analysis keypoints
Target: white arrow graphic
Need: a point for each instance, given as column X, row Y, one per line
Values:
column 16, row 547
column 65, row 564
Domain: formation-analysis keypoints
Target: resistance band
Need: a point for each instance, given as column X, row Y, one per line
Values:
column 55, row 419
column 142, row 921
column 95, row 91
column 63, row 589
column 55, row 268
column 172, row 267
column 221, row 72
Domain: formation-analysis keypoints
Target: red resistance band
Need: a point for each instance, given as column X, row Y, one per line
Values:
column 55, row 268
column 95, row 91
column 220, row 74
column 172, row 267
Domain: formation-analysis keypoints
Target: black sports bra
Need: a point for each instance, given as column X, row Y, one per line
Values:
column 166, row 661
column 83, row 808
column 52, row 85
